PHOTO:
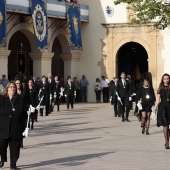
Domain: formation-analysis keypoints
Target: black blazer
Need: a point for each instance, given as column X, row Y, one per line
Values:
column 56, row 87
column 32, row 97
column 45, row 91
column 69, row 91
column 112, row 90
column 123, row 92
column 12, row 123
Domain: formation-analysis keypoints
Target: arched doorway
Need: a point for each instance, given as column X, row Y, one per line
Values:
column 57, row 63
column 132, row 59
column 15, row 46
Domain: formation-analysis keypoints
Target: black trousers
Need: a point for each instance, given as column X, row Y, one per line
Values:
column 77, row 99
column 105, row 94
column 83, row 94
column 98, row 95
column 70, row 100
column 45, row 103
column 123, row 108
column 14, row 147
column 115, row 104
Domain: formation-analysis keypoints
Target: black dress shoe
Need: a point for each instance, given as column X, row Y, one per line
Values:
column 127, row 120
column 123, row 120
column 1, row 164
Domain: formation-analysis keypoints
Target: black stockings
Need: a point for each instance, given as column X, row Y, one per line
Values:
column 145, row 122
column 166, row 134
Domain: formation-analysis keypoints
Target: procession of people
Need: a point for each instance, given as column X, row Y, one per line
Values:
column 21, row 101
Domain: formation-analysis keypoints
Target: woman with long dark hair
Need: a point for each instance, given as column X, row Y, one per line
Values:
column 147, row 97
column 12, row 118
column 163, row 106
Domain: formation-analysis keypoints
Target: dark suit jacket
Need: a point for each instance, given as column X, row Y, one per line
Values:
column 45, row 91
column 112, row 90
column 123, row 92
column 69, row 91
column 12, row 123
column 32, row 96
column 56, row 87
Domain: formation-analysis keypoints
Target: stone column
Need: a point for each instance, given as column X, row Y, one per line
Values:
column 152, row 61
column 41, row 63
column 4, row 62
column 71, row 64
column 109, row 58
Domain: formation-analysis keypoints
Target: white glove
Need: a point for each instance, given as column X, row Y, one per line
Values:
column 50, row 96
column 29, row 111
column 65, row 95
column 118, row 98
column 110, row 98
column 134, row 94
column 61, row 93
column 32, row 109
column 130, row 98
column 25, row 133
column 139, row 106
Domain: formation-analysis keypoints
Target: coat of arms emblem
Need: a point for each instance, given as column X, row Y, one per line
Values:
column 109, row 11
column 1, row 18
column 39, row 20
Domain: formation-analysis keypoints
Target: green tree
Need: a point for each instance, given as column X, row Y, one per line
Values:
column 146, row 11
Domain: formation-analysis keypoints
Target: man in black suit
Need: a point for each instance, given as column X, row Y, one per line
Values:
column 124, row 96
column 113, row 90
column 44, row 91
column 69, row 92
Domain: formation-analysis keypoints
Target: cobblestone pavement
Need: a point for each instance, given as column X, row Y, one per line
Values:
column 89, row 137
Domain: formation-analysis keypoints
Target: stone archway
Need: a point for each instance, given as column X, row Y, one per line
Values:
column 132, row 58
column 120, row 34
column 27, row 30
column 57, row 64
column 15, row 46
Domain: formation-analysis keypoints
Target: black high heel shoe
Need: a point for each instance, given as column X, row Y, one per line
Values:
column 143, row 130
column 1, row 164
column 147, row 132
column 166, row 146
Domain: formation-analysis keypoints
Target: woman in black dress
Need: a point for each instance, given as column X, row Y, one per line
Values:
column 32, row 99
column 12, row 118
column 147, row 97
column 57, row 90
column 163, row 106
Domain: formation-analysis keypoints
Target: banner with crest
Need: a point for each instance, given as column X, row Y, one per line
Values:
column 74, row 25
column 40, row 22
column 3, row 23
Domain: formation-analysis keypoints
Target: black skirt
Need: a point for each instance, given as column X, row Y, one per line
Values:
column 147, row 107
column 163, row 115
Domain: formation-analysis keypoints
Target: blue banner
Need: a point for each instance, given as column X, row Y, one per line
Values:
column 74, row 25
column 3, row 23
column 40, row 21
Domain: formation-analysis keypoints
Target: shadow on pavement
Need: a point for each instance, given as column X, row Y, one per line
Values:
column 59, row 142
column 68, row 161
